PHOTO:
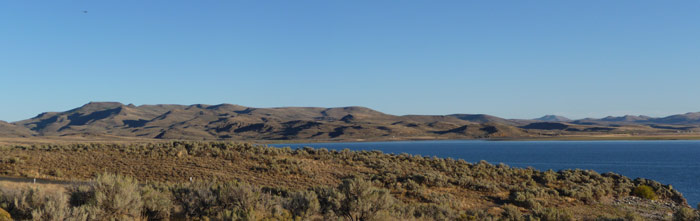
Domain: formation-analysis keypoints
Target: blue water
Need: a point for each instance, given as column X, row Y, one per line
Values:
column 669, row 162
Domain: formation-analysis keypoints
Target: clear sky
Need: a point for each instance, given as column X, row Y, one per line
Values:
column 515, row 59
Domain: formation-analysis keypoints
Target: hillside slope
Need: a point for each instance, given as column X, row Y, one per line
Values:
column 227, row 121
column 553, row 118
column 11, row 130
column 235, row 122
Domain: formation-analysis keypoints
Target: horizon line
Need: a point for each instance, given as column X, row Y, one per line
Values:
column 302, row 106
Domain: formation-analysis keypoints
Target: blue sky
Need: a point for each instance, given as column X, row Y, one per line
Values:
column 516, row 59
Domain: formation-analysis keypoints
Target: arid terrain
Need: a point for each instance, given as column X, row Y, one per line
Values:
column 201, row 162
column 116, row 121
column 418, row 188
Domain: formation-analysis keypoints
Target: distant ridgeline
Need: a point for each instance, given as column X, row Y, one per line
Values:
column 223, row 180
column 226, row 121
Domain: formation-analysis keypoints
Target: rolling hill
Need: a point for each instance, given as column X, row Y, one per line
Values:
column 11, row 130
column 553, row 118
column 227, row 121
column 235, row 122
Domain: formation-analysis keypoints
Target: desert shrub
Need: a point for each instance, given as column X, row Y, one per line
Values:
column 633, row 217
column 238, row 199
column 645, row 192
column 276, row 191
column 418, row 181
column 606, row 218
column 523, row 198
column 552, row 214
column 80, row 195
column 270, row 207
column 84, row 213
column 228, row 214
column 445, row 199
column 195, row 198
column 223, row 200
column 55, row 207
column 302, row 204
column 415, row 190
column 15, row 160
column 511, row 213
column 584, row 192
column 157, row 204
column 685, row 214
column 328, row 200
column 430, row 179
column 35, row 203
column 474, row 215
column 19, row 203
column 434, row 212
column 117, row 197
column 401, row 211
column 662, row 191
column 546, row 177
column 357, row 199
column 56, row 173
column 411, row 185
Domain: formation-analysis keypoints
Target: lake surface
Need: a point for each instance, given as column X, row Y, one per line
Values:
column 669, row 162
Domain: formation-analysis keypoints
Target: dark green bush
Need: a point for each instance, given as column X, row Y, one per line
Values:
column 645, row 192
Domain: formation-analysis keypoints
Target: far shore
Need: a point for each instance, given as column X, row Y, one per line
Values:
column 126, row 140
column 557, row 138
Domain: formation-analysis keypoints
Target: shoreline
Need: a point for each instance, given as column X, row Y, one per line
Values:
column 130, row 140
column 557, row 138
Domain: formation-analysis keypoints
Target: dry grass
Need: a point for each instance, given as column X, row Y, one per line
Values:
column 43, row 140
column 10, row 185
column 459, row 186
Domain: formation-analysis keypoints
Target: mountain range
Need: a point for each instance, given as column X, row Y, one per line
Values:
column 228, row 121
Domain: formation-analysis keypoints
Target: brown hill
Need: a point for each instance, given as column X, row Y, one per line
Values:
column 11, row 130
column 227, row 121
column 484, row 118
column 627, row 118
column 687, row 118
column 692, row 118
column 552, row 118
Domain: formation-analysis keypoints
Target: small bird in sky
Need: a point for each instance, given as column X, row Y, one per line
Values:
column 85, row 11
